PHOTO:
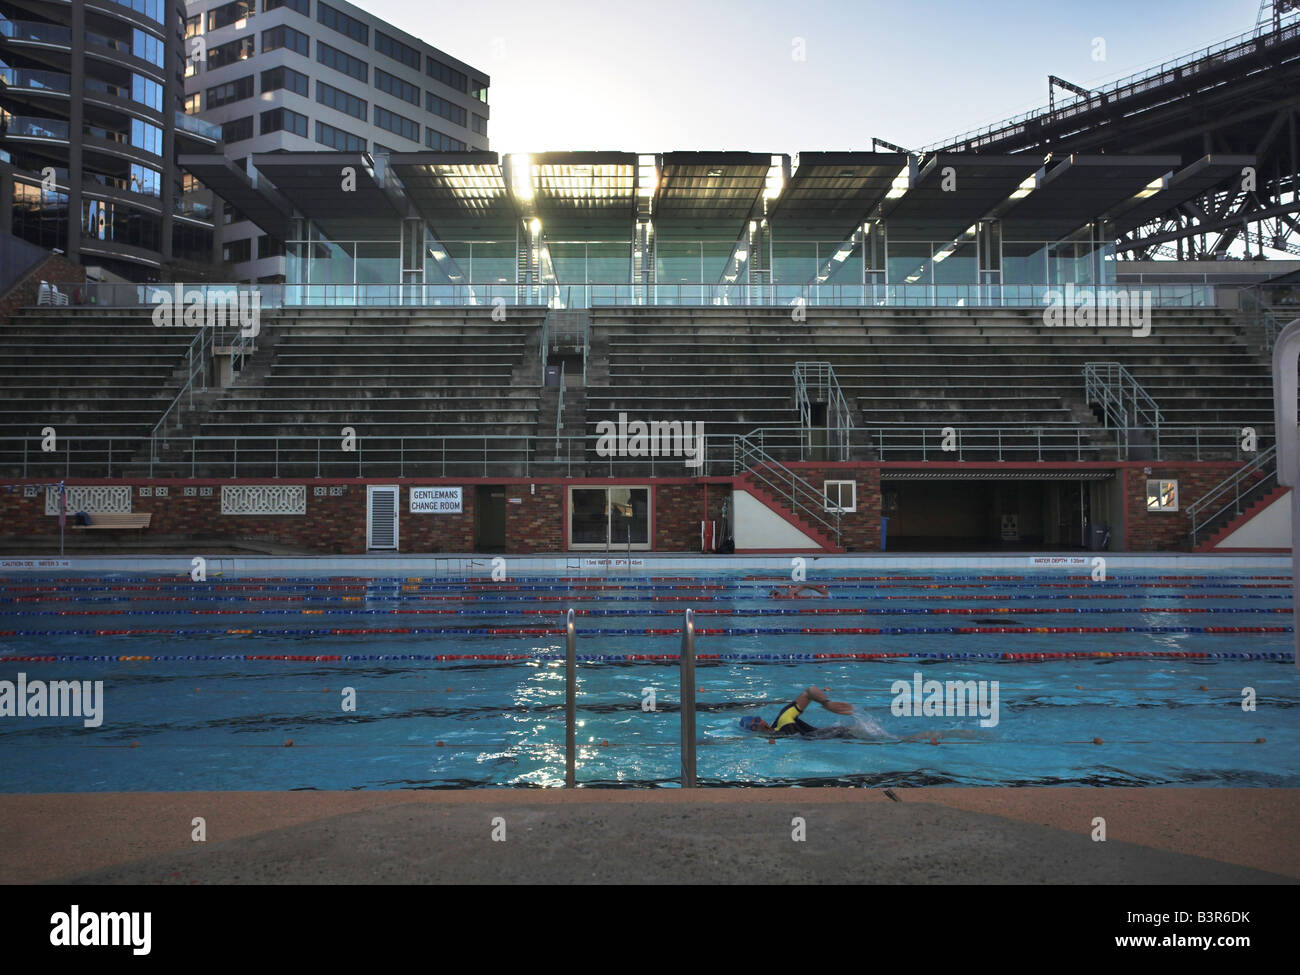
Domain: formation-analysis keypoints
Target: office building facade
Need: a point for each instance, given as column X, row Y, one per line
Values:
column 306, row 75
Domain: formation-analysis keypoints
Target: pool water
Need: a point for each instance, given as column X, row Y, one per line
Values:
column 225, row 674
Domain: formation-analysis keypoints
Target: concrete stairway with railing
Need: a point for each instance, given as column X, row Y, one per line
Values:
column 106, row 374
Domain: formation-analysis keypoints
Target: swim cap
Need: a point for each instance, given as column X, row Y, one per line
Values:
column 748, row 723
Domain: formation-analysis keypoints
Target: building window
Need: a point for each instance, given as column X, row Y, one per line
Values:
column 237, row 130
column 332, row 57
column 601, row 517
column 479, row 91
column 192, row 104
column 302, row 6
column 341, row 101
column 284, row 120
column 442, row 143
column 286, row 79
column 148, row 47
column 224, row 54
column 146, row 136
column 231, row 91
column 237, row 251
column 394, row 85
column 399, row 124
column 841, row 495
column 447, row 75
column 440, row 106
column 230, row 13
column 193, row 26
column 286, row 37
column 341, row 22
column 396, row 50
column 1162, row 495
column 146, row 91
column 479, row 124
column 327, row 135
column 145, row 180
column 268, row 246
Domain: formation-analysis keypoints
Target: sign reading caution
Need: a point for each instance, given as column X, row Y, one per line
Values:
column 435, row 501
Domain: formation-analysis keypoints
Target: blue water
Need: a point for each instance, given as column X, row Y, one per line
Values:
column 224, row 724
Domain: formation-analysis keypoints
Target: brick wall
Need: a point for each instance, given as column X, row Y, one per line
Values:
column 1165, row 531
column 536, row 523
column 56, row 269
column 860, row 529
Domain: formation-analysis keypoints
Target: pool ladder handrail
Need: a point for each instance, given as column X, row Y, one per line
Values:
column 570, row 701
column 687, row 666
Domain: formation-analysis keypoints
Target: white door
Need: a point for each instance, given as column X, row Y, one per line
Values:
column 381, row 517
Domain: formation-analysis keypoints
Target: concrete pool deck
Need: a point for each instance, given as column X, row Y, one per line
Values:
column 930, row 835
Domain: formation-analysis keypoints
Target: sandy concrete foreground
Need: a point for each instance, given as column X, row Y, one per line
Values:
column 703, row 836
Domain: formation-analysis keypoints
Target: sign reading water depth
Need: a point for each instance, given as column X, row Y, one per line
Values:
column 435, row 501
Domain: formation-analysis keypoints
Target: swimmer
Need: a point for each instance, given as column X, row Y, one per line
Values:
column 798, row 591
column 789, row 722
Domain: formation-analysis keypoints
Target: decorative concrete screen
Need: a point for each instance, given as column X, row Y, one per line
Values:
column 95, row 499
column 264, row 499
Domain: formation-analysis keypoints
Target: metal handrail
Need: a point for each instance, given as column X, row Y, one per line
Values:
column 785, row 484
column 687, row 675
column 1125, row 404
column 559, row 411
column 570, row 701
column 196, row 365
column 820, row 378
column 1256, row 471
column 469, row 455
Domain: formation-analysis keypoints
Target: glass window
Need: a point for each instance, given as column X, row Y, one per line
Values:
column 231, row 91
column 442, row 143
column 230, row 13
column 396, row 50
column 144, row 45
column 146, row 136
column 284, row 120
column 193, row 26
column 399, row 124
column 237, row 50
column 341, row 101
column 341, row 22
column 841, row 495
column 237, row 130
column 479, row 91
column 327, row 135
column 302, row 6
column 1024, row 262
column 909, row 262
column 447, row 75
column 332, row 57
column 145, row 180
column 286, row 37
column 192, row 104
column 237, row 251
column 146, row 91
column 284, row 78
column 606, row 517
column 394, row 85
column 480, row 125
column 1162, row 495
column 440, row 106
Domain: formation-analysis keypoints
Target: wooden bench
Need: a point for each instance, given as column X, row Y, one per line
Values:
column 122, row 521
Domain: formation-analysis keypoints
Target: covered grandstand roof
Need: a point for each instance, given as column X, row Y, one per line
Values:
column 709, row 195
column 1078, row 189
column 832, row 193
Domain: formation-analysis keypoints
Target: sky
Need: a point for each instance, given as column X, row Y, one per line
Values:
column 784, row 77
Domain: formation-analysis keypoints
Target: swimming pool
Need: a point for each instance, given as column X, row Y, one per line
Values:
column 460, row 682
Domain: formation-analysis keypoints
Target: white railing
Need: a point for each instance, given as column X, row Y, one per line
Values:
column 1227, row 494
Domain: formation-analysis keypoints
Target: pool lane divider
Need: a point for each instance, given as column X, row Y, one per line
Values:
column 647, row 631
column 655, row 658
